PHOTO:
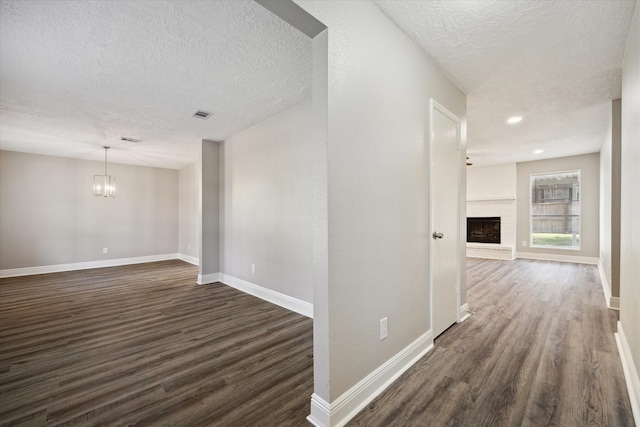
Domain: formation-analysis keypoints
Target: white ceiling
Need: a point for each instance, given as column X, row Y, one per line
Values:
column 75, row 75
column 555, row 63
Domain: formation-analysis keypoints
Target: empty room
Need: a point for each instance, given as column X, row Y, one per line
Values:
column 297, row 212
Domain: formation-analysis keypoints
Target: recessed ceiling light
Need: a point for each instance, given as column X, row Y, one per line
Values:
column 513, row 120
column 200, row 114
column 538, row 151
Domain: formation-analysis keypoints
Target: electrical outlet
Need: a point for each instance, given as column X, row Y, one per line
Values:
column 383, row 328
column 105, row 250
column 524, row 243
column 189, row 248
column 253, row 268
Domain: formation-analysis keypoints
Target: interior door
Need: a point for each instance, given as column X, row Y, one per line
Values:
column 445, row 219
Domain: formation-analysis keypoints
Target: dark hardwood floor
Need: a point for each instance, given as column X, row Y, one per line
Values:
column 145, row 345
column 538, row 351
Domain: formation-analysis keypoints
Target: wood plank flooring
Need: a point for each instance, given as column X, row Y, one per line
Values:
column 145, row 345
column 538, row 351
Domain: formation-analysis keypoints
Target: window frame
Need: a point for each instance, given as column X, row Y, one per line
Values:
column 565, row 248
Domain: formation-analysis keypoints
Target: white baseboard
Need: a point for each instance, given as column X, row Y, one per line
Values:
column 190, row 259
column 286, row 301
column 320, row 412
column 205, row 279
column 630, row 372
column 464, row 313
column 556, row 257
column 44, row 269
column 612, row 302
column 345, row 407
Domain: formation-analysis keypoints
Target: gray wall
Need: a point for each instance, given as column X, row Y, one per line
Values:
column 189, row 206
column 211, row 172
column 378, row 88
column 49, row 216
column 257, row 202
column 610, row 202
column 589, row 165
column 630, row 210
column 268, row 204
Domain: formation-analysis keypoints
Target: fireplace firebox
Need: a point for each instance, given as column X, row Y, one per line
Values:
column 483, row 229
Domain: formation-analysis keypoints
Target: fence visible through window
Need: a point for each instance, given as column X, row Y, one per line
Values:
column 555, row 210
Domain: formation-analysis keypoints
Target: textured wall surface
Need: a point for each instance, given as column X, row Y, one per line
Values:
column 189, row 177
column 610, row 202
column 379, row 85
column 605, row 205
column 267, row 204
column 211, row 203
column 49, row 216
column 630, row 211
column 491, row 182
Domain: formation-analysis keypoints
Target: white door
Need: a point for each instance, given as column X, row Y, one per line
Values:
column 445, row 219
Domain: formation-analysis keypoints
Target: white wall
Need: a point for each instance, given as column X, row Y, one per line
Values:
column 268, row 204
column 610, row 205
column 630, row 212
column 378, row 87
column 49, row 216
column 589, row 164
column 491, row 182
column 491, row 191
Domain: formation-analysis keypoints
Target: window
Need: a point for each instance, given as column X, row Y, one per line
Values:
column 555, row 210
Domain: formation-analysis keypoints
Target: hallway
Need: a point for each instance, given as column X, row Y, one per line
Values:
column 538, row 349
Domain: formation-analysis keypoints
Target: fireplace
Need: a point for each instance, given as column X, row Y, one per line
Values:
column 483, row 229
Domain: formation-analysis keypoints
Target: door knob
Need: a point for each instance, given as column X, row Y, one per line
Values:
column 437, row 235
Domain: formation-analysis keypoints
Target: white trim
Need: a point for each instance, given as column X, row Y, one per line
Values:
column 490, row 251
column 560, row 258
column 491, row 199
column 606, row 288
column 345, row 407
column 461, row 248
column 464, row 308
column 44, row 269
column 190, row 259
column 611, row 301
column 320, row 412
column 614, row 303
column 286, row 301
column 572, row 248
column 205, row 279
column 630, row 372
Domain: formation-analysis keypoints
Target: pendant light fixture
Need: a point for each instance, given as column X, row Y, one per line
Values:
column 104, row 185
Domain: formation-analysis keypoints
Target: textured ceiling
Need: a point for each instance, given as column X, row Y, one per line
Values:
column 555, row 63
column 75, row 75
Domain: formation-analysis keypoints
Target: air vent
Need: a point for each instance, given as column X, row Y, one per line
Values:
column 204, row 115
column 135, row 141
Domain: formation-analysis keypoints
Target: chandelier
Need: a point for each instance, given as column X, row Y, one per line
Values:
column 104, row 185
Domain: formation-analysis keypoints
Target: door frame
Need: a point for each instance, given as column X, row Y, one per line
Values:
column 460, row 208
